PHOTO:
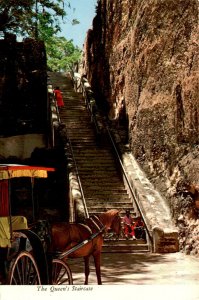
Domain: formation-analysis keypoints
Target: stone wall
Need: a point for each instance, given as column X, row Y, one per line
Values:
column 142, row 56
column 21, row 146
column 23, row 87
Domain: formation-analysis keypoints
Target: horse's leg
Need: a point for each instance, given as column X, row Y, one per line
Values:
column 97, row 260
column 87, row 269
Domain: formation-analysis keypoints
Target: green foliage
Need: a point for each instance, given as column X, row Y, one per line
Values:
column 61, row 54
column 75, row 22
column 24, row 16
column 40, row 19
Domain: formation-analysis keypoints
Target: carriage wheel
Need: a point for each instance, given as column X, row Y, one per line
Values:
column 61, row 273
column 24, row 270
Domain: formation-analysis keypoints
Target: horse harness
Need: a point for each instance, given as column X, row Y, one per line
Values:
column 94, row 223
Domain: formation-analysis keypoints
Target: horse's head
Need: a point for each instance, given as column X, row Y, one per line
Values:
column 111, row 220
column 116, row 225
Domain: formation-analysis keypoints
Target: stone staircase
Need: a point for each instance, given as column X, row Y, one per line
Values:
column 101, row 180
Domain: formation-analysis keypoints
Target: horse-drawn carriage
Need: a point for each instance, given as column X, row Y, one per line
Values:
column 24, row 258
column 33, row 251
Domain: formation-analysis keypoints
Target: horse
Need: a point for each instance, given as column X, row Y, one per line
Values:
column 64, row 236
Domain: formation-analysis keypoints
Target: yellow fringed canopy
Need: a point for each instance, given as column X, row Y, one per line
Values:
column 8, row 171
column 12, row 171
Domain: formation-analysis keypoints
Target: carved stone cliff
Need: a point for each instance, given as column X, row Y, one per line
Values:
column 141, row 58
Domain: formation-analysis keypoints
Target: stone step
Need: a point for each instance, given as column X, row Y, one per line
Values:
column 123, row 246
column 81, row 126
column 77, row 143
column 101, row 192
column 80, row 134
column 87, row 178
column 76, row 108
column 86, row 140
column 117, row 204
column 93, row 154
column 100, row 210
column 82, row 139
column 97, row 174
column 106, row 196
column 109, row 198
column 89, row 165
column 96, row 169
column 83, row 119
column 115, row 182
column 113, row 188
column 88, row 182
column 121, row 209
column 107, row 206
column 103, row 151
column 95, row 159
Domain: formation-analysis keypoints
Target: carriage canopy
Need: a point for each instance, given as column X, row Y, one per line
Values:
column 9, row 171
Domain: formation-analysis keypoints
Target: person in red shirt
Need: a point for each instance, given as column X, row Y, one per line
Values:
column 58, row 97
column 129, row 226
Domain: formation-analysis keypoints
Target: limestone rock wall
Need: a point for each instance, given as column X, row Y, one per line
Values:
column 142, row 55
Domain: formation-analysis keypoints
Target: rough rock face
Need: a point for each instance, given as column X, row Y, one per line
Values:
column 141, row 58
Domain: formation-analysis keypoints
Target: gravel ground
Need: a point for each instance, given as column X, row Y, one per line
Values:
column 140, row 269
column 142, row 276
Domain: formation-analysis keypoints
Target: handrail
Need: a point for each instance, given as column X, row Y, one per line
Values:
column 57, row 109
column 85, row 91
column 129, row 185
column 88, row 104
column 78, row 178
column 53, row 103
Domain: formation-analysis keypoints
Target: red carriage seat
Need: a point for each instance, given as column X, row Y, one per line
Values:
column 4, row 195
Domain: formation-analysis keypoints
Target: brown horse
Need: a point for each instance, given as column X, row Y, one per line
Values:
column 66, row 235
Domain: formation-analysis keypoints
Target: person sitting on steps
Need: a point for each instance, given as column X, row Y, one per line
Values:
column 139, row 229
column 129, row 226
